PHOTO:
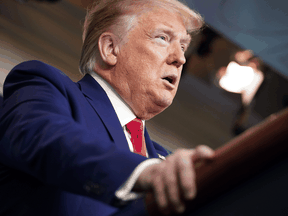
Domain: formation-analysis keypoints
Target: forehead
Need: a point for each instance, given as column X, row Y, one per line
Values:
column 159, row 19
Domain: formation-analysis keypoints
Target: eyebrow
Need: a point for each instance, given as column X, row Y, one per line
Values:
column 186, row 39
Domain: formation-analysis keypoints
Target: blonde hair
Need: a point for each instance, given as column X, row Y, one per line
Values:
column 119, row 15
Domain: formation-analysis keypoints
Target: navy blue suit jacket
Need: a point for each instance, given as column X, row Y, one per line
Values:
column 62, row 148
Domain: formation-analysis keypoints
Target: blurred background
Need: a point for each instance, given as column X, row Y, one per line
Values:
column 235, row 76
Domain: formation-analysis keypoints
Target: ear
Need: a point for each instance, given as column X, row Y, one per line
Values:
column 108, row 48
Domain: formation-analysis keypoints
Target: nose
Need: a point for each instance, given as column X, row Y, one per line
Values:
column 176, row 55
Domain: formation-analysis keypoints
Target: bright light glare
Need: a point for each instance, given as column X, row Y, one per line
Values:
column 237, row 77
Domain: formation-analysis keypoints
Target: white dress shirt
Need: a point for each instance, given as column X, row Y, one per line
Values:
column 123, row 111
column 125, row 115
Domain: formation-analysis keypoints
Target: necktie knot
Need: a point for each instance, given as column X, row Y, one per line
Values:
column 135, row 126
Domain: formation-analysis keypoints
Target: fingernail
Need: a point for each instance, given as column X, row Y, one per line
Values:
column 190, row 195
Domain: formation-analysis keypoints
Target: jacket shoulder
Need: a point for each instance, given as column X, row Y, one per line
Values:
column 34, row 76
column 35, row 71
column 38, row 67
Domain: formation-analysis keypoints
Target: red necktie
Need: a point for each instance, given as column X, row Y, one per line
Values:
column 135, row 129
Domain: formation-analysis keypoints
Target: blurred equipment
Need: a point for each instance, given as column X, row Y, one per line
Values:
column 243, row 77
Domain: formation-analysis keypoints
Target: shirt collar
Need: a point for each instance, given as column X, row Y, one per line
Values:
column 123, row 111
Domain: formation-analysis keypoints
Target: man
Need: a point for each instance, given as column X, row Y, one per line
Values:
column 69, row 149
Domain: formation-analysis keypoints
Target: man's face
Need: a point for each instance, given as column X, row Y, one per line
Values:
column 149, row 63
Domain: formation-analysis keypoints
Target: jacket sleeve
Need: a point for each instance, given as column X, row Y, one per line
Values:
column 42, row 139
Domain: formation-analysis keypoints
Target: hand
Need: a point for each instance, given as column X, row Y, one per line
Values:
column 173, row 177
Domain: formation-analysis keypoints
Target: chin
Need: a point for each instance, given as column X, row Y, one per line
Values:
column 164, row 103
column 152, row 111
column 160, row 107
column 150, row 115
column 156, row 107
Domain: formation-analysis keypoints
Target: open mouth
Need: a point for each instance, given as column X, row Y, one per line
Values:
column 171, row 79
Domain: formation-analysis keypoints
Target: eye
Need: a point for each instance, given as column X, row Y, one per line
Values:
column 183, row 48
column 163, row 38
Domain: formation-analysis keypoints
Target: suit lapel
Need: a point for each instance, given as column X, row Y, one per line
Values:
column 149, row 145
column 100, row 102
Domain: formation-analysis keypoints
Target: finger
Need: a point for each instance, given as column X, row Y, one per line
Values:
column 187, row 177
column 144, row 181
column 159, row 194
column 172, row 187
column 203, row 152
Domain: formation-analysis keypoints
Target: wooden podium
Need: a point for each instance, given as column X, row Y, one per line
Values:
column 249, row 176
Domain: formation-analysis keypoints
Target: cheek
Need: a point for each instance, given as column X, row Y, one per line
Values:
column 145, row 83
column 150, row 54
